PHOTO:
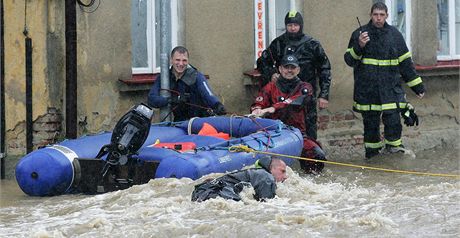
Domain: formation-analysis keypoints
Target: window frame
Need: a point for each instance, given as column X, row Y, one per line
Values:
column 151, row 39
column 272, row 17
column 408, row 19
column 268, row 27
column 452, row 41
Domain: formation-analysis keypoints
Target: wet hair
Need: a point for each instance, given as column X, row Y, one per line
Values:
column 379, row 6
column 180, row 50
column 275, row 162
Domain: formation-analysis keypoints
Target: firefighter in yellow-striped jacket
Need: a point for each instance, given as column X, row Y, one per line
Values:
column 380, row 58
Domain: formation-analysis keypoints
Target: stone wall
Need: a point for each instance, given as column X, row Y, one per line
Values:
column 47, row 129
column 341, row 133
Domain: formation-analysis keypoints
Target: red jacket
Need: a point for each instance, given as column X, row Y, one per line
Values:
column 289, row 107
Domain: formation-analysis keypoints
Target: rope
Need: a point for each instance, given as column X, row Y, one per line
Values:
column 264, row 130
column 244, row 148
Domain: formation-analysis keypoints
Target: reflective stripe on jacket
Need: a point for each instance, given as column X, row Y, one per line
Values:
column 379, row 67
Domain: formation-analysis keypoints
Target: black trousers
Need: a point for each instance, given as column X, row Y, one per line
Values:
column 392, row 129
column 311, row 118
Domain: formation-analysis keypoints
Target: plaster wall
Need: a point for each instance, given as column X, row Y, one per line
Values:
column 21, row 15
column 424, row 34
column 221, row 44
column 55, row 51
column 103, row 57
column 332, row 22
column 213, row 41
column 220, row 35
column 36, row 23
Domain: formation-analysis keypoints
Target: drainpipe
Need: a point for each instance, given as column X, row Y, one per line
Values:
column 71, row 69
column 29, row 121
column 28, row 73
column 165, row 39
column 2, row 94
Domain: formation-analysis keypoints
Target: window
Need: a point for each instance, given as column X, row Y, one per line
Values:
column 448, row 29
column 269, row 21
column 277, row 12
column 399, row 16
column 145, row 34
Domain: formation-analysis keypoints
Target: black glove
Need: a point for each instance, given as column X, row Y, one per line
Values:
column 179, row 99
column 418, row 89
column 409, row 116
column 219, row 109
column 319, row 155
column 312, row 167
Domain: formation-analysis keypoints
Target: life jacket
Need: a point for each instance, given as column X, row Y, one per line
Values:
column 209, row 130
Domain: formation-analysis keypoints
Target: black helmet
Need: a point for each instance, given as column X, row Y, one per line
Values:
column 264, row 162
column 294, row 17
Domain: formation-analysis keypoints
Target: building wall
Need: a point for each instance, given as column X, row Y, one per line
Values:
column 221, row 45
column 36, row 21
column 15, row 60
column 220, row 39
column 219, row 35
column 104, row 56
column 424, row 33
column 55, row 53
column 332, row 22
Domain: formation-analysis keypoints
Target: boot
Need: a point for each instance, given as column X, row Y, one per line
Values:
column 389, row 149
column 371, row 152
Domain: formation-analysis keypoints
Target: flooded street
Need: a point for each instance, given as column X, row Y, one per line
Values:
column 342, row 202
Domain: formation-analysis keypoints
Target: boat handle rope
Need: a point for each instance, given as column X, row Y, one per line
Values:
column 244, row 148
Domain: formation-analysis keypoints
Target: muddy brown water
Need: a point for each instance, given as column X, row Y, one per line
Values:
column 342, row 202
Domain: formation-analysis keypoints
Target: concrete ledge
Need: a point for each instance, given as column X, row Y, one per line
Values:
column 454, row 72
column 345, row 143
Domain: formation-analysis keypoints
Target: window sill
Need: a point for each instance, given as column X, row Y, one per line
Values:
column 140, row 79
column 441, row 68
column 254, row 77
column 138, row 82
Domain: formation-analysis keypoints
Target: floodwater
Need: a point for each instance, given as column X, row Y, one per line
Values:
column 342, row 202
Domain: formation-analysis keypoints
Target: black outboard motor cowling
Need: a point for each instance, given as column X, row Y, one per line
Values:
column 128, row 135
column 120, row 170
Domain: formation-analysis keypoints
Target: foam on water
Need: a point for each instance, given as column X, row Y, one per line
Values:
column 339, row 203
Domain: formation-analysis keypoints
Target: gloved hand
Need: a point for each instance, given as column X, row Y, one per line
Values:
column 319, row 155
column 179, row 99
column 409, row 116
column 219, row 109
column 312, row 167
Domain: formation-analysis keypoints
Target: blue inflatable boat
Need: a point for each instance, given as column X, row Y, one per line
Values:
column 175, row 150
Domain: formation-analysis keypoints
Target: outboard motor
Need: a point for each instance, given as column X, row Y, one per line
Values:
column 128, row 136
column 119, row 170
